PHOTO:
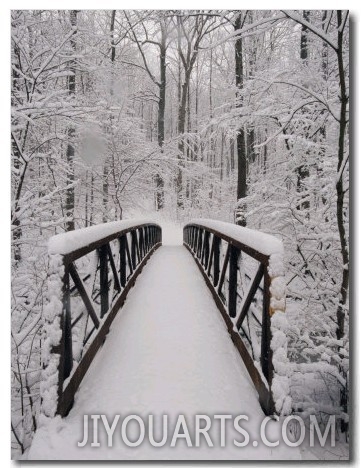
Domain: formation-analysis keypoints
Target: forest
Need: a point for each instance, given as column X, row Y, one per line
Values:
column 240, row 116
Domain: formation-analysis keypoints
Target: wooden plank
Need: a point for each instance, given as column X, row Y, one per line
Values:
column 250, row 295
column 83, row 294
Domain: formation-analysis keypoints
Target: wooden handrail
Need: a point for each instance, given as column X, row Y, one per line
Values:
column 205, row 239
column 135, row 242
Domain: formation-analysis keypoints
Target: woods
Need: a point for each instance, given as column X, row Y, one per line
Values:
column 240, row 116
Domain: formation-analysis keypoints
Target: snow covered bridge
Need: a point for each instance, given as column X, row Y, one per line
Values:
column 166, row 350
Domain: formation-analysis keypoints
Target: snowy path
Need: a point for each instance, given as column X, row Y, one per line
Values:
column 168, row 352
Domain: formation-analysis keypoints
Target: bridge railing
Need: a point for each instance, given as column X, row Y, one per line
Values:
column 90, row 273
column 243, row 269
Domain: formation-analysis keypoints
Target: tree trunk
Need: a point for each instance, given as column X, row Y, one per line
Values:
column 241, row 140
column 341, row 222
column 304, row 38
column 16, row 231
column 105, row 176
column 70, row 201
column 161, row 113
column 302, row 170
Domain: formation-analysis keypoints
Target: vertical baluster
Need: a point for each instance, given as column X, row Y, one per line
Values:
column 137, row 247
column 266, row 352
column 67, row 334
column 210, row 256
column 130, row 267
column 133, row 249
column 216, row 253
column 203, row 247
column 159, row 234
column 141, row 243
column 104, row 288
column 206, row 249
column 200, row 242
column 195, row 234
column 232, row 281
column 122, row 260
column 146, row 239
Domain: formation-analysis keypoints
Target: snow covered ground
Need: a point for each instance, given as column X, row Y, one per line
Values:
column 167, row 353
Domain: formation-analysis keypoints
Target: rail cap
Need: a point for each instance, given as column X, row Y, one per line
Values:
column 68, row 242
column 265, row 244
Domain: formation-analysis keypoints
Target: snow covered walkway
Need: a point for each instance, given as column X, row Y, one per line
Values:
column 167, row 353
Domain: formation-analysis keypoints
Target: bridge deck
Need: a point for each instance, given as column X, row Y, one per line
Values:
column 168, row 352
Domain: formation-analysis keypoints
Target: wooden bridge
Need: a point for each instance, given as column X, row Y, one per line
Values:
column 169, row 317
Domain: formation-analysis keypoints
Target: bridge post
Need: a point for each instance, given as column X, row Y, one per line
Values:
column 205, row 254
column 141, row 244
column 67, row 339
column 134, row 249
column 104, row 288
column 122, row 261
column 216, row 268
column 232, row 291
column 195, row 240
column 266, row 351
column 200, row 241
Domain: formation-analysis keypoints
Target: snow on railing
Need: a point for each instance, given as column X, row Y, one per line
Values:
column 243, row 268
column 90, row 273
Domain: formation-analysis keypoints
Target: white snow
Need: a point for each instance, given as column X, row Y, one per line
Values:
column 168, row 352
column 172, row 233
column 260, row 241
column 51, row 336
column 66, row 242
